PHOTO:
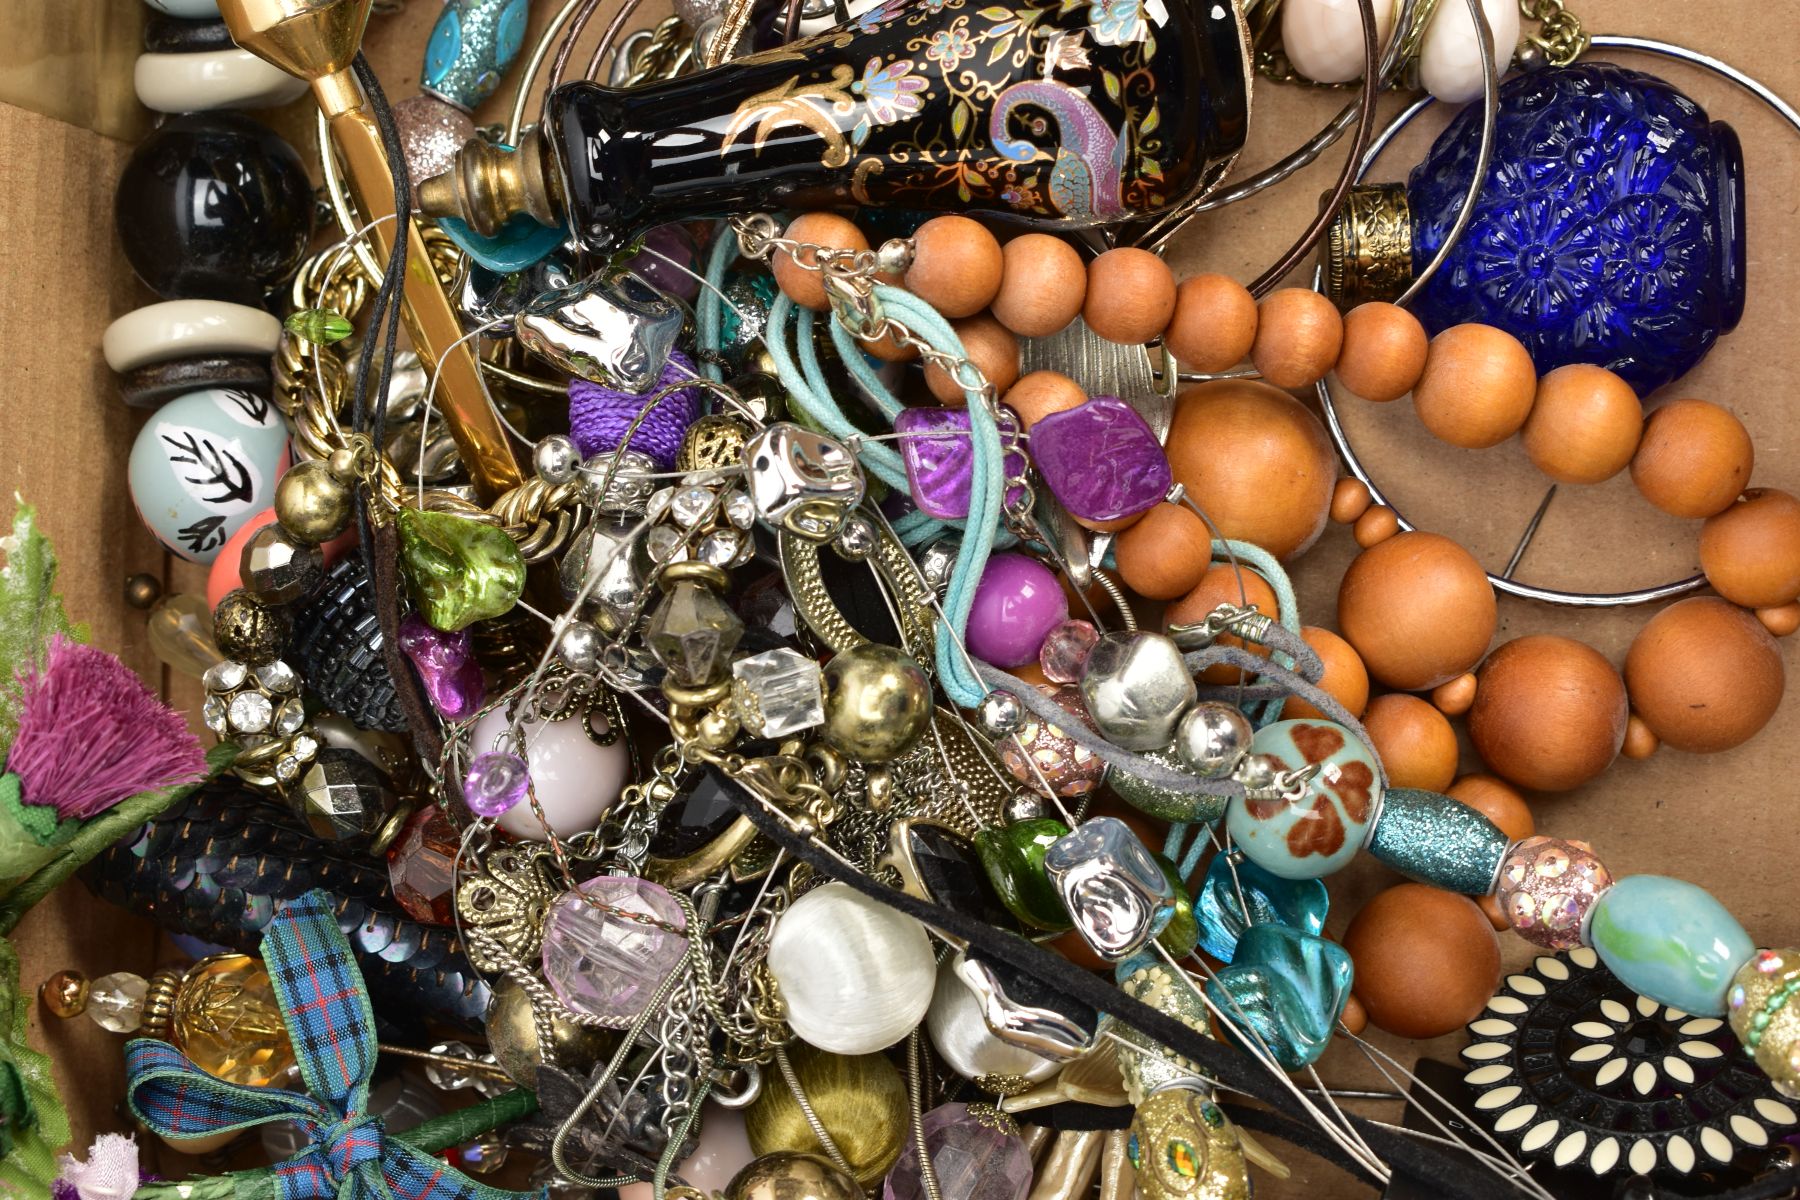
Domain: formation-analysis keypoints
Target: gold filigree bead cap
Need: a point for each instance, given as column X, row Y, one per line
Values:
column 1367, row 253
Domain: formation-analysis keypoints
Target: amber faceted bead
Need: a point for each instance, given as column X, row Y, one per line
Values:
column 1477, row 386
column 1426, row 960
column 1693, row 459
column 1130, row 295
column 1414, row 741
column 1549, row 713
column 1704, row 675
column 227, row 1021
column 1751, row 551
column 1298, row 336
column 1256, row 461
column 1418, row 608
column 1384, row 351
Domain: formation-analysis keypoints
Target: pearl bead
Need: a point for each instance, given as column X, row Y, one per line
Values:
column 1450, row 58
column 1323, row 39
column 575, row 778
column 962, row 1037
column 212, row 79
column 855, row 976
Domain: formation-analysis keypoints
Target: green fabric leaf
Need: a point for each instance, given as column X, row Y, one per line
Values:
column 31, row 835
column 30, row 611
column 35, row 1120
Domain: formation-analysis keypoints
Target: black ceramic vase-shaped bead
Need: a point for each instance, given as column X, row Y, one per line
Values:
column 214, row 206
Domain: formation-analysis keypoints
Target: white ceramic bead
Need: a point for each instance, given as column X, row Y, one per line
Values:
column 189, row 10
column 723, row 1151
column 1323, row 38
column 203, row 80
column 1450, row 59
column 575, row 778
column 187, row 329
column 856, row 976
column 963, row 1039
column 203, row 465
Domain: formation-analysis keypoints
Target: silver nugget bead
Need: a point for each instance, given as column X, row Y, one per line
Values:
column 1137, row 687
column 1212, row 739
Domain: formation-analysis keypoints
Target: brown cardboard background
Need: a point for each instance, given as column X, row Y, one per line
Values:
column 1725, row 821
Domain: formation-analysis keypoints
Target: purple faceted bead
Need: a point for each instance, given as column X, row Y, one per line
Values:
column 974, row 1159
column 446, row 666
column 940, row 460
column 600, row 960
column 1102, row 460
column 496, row 782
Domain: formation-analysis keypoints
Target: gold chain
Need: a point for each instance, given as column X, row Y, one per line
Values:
column 1560, row 36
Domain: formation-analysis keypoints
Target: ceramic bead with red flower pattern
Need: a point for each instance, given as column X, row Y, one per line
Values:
column 1320, row 831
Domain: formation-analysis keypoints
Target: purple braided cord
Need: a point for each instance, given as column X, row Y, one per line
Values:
column 599, row 415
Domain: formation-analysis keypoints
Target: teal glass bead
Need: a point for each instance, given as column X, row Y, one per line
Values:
column 203, row 465
column 1228, row 905
column 1314, row 828
column 1435, row 840
column 1671, row 941
column 1287, row 986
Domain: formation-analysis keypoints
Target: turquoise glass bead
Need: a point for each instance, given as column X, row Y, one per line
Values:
column 1435, row 840
column 518, row 244
column 1671, row 941
column 1270, row 900
column 203, row 465
column 1321, row 831
column 1290, row 987
column 472, row 45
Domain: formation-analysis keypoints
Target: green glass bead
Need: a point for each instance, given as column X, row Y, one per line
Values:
column 1013, row 857
column 320, row 326
column 1182, row 933
column 459, row 571
column 1165, row 803
column 1671, row 941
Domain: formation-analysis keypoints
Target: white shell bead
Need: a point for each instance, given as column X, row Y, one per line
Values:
column 1715, row 1144
column 1516, row 1118
column 1680, row 1153
column 1678, row 1070
column 187, row 329
column 1593, row 1053
column 1450, row 58
column 855, row 975
column 1609, row 1072
column 1642, row 1158
column 1643, row 1078
column 1774, row 1110
column 1323, row 38
column 1748, row 1131
column 1615, row 1012
column 1539, row 1136
column 963, row 1038
column 1584, row 957
column 1481, row 1076
column 1499, row 1097
column 1569, row 1149
column 1551, row 968
column 1525, row 985
column 204, row 80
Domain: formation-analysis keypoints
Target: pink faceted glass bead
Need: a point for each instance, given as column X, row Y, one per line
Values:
column 1070, row 768
column 1065, row 648
column 609, row 963
column 973, row 1157
column 1547, row 887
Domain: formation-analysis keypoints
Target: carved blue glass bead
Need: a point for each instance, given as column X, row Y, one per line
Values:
column 1232, row 900
column 1287, row 986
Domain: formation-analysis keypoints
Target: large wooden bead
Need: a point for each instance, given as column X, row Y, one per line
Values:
column 1130, row 295
column 1415, row 741
column 1298, row 336
column 1584, row 425
column 1477, row 387
column 1549, row 713
column 1165, row 554
column 1223, row 584
column 1751, row 551
column 855, row 975
column 1418, row 608
column 1256, row 461
column 1704, row 675
column 1426, row 960
column 1214, row 324
column 1346, row 680
column 1694, row 458
column 1384, row 351
column 803, row 285
column 1498, row 801
column 1037, row 395
column 957, row 266
column 1043, row 285
column 993, row 349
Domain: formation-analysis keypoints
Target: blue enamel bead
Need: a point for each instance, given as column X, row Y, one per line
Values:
column 204, row 464
column 1321, row 831
column 1435, row 840
column 1671, row 941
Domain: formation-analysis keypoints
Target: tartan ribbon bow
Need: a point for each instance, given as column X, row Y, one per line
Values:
column 332, row 1029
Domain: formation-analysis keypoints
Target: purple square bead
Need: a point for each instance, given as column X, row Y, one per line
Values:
column 940, row 470
column 1101, row 460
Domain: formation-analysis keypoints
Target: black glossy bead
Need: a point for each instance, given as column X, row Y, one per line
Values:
column 214, row 206
column 693, row 819
column 157, row 384
column 173, row 35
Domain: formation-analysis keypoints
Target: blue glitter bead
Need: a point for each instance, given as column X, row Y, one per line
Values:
column 1435, row 840
column 1610, row 229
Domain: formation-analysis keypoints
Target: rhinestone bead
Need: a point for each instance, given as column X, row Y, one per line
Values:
column 1547, row 886
column 692, row 633
column 250, row 712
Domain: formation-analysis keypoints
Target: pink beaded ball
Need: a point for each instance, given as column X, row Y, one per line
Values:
column 1049, row 755
column 1547, row 886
